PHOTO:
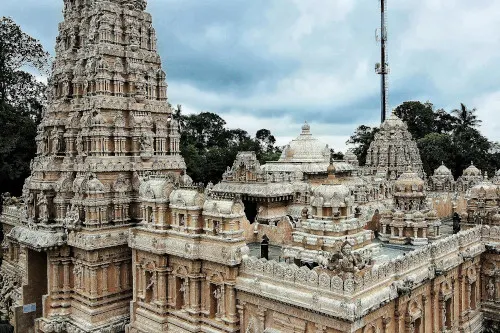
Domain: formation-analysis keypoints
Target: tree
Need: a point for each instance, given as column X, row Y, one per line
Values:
column 435, row 149
column 418, row 116
column 22, row 100
column 208, row 147
column 361, row 139
column 465, row 118
column 452, row 138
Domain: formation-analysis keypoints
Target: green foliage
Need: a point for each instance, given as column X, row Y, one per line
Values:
column 418, row 116
column 22, row 100
column 361, row 140
column 208, row 147
column 452, row 138
column 435, row 149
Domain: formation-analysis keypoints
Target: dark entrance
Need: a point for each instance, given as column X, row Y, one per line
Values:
column 250, row 210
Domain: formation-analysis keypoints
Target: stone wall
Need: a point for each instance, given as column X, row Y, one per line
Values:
column 278, row 235
column 443, row 203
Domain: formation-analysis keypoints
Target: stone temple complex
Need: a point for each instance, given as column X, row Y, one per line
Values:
column 111, row 235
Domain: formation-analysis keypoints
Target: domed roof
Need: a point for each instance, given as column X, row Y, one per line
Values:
column 186, row 180
column 432, row 214
column 472, row 171
column 350, row 157
column 442, row 171
column 409, row 181
column 335, row 195
column 418, row 215
column 393, row 122
column 485, row 189
column 305, row 148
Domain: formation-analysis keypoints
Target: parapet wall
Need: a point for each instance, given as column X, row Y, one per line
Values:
column 352, row 295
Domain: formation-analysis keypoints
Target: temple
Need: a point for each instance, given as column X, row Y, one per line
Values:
column 111, row 234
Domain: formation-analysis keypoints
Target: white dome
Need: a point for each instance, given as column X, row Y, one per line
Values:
column 305, row 148
column 442, row 171
column 472, row 171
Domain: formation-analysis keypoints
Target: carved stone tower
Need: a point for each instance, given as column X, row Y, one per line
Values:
column 108, row 124
column 393, row 150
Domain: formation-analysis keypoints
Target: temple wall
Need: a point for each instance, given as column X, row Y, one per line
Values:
column 443, row 202
column 278, row 235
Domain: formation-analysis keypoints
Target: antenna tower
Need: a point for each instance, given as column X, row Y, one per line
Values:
column 382, row 68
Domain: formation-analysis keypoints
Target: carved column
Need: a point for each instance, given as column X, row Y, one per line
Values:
column 93, row 282
column 66, row 285
column 105, row 279
column 424, row 311
column 118, row 274
column 126, row 276
column 171, row 292
column 194, row 293
column 55, row 276
column 241, row 312
column 162, row 292
column 231, row 306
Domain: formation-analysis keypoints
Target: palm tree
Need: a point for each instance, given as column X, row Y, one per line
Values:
column 465, row 118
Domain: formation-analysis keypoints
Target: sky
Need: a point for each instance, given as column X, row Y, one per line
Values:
column 277, row 63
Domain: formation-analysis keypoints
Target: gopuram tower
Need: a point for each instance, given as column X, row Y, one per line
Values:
column 108, row 125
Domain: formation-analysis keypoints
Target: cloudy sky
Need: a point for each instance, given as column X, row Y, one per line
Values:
column 277, row 63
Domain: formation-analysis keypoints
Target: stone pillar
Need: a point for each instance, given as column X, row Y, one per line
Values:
column 93, row 282
column 105, row 279
column 126, row 277
column 171, row 289
column 205, row 296
column 231, row 304
column 161, row 217
column 55, row 276
column 66, row 276
column 162, row 285
column 241, row 312
column 194, row 293
column 118, row 274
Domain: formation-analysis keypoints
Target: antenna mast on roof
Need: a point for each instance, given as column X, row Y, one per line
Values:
column 382, row 68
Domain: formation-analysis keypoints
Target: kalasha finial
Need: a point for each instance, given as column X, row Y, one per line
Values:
column 306, row 128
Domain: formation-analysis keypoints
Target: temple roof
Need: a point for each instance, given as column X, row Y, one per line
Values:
column 442, row 171
column 472, row 170
column 305, row 148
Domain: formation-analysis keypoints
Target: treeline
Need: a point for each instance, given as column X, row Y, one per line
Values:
column 209, row 147
column 452, row 138
column 22, row 100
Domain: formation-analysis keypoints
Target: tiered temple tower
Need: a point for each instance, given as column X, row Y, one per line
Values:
column 412, row 220
column 107, row 125
column 393, row 150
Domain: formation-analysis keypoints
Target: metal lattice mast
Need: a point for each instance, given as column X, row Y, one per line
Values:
column 382, row 68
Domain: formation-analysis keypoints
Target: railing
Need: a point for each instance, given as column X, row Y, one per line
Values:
column 442, row 254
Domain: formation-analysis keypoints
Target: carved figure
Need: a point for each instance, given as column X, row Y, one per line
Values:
column 79, row 144
column 56, row 141
column 185, row 292
column 490, row 289
column 218, row 294
column 43, row 213
column 146, row 143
